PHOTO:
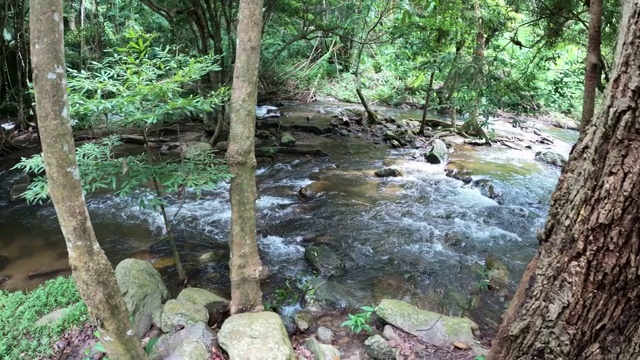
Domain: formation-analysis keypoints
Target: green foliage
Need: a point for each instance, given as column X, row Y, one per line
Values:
column 19, row 337
column 484, row 281
column 99, row 169
column 360, row 321
column 290, row 294
column 142, row 85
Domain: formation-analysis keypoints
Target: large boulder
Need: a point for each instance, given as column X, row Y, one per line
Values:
column 325, row 260
column 181, row 313
column 143, row 291
column 551, row 158
column 216, row 305
column 438, row 153
column 256, row 336
column 322, row 351
column 194, row 342
column 430, row 327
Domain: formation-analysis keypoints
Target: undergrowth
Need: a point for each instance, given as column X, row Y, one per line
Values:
column 19, row 337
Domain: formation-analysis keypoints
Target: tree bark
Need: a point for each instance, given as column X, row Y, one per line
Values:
column 592, row 71
column 245, row 265
column 427, row 97
column 92, row 271
column 582, row 298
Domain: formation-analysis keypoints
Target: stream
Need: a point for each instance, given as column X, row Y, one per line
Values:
column 422, row 237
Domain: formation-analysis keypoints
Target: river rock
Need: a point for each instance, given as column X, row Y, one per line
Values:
column 322, row 351
column 5, row 278
column 313, row 190
column 53, row 318
column 4, row 261
column 331, row 294
column 216, row 305
column 438, row 153
column 255, row 336
column 379, row 349
column 221, row 146
column 193, row 148
column 497, row 274
column 430, row 327
column 325, row 335
column 388, row 172
column 551, row 158
column 324, row 260
column 287, row 139
column 194, row 342
column 176, row 313
column 343, row 132
column 487, row 189
column 303, row 320
column 143, row 291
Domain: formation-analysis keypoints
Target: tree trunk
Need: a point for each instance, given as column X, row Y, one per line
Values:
column 245, row 265
column 423, row 123
column 592, row 71
column 581, row 298
column 92, row 271
column 371, row 115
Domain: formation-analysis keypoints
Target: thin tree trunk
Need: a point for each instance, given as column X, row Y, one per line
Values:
column 371, row 115
column 92, row 271
column 582, row 301
column 592, row 71
column 245, row 266
column 426, row 103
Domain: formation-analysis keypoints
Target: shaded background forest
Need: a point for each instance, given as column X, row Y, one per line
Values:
column 395, row 51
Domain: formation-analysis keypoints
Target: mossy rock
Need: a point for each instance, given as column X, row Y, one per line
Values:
column 430, row 327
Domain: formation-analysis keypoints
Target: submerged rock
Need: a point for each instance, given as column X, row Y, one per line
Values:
column 322, row 351
column 313, row 190
column 287, row 139
column 487, row 189
column 438, row 153
column 143, row 291
column 194, row 342
column 430, row 327
column 388, row 172
column 176, row 313
column 379, row 349
column 324, row 260
column 551, row 158
column 256, row 336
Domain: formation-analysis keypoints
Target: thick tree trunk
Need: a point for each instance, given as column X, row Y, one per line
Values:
column 92, row 271
column 245, row 265
column 592, row 72
column 581, row 300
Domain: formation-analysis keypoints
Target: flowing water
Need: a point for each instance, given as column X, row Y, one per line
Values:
column 422, row 237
